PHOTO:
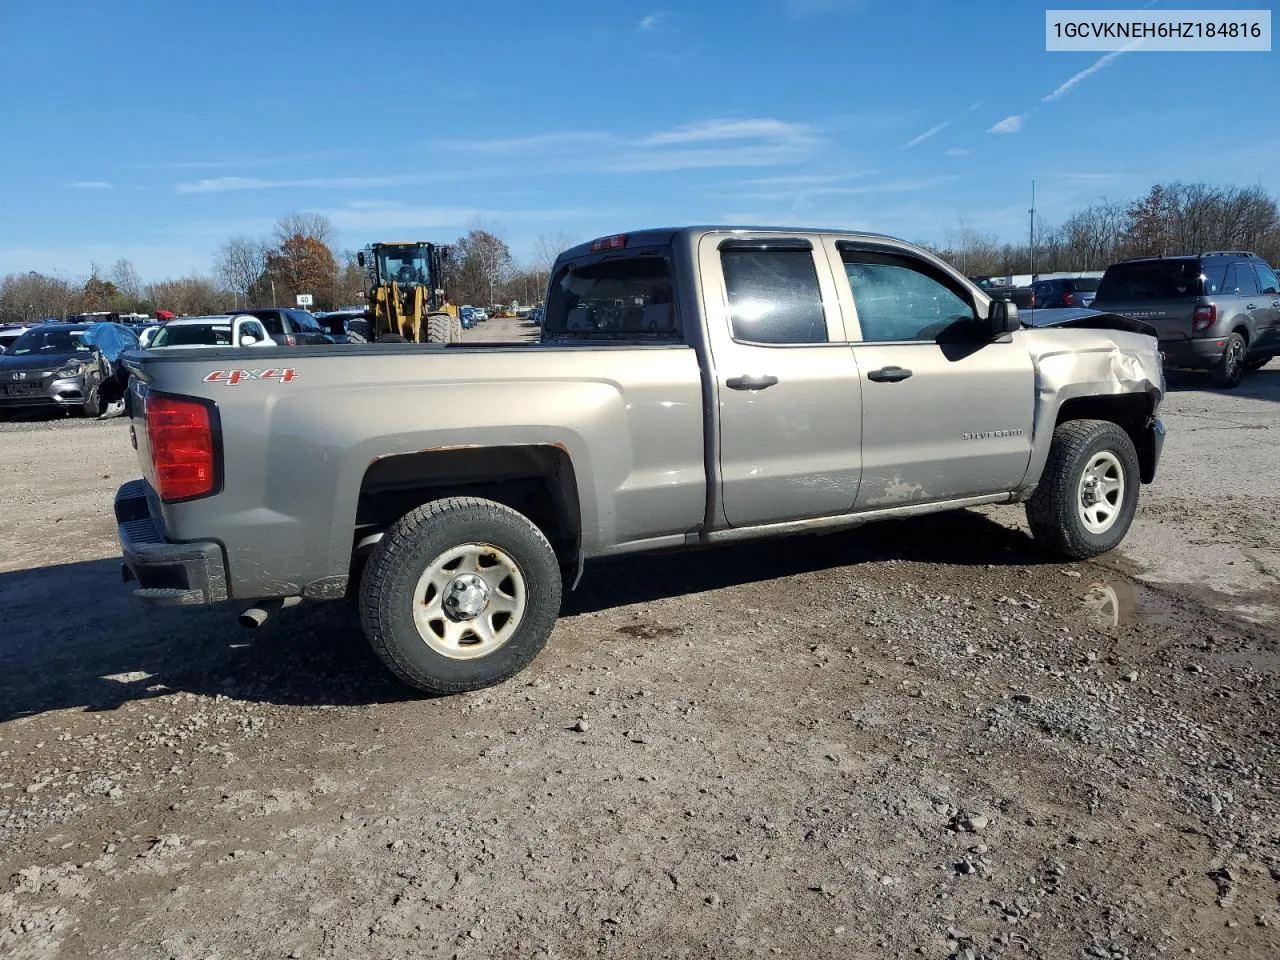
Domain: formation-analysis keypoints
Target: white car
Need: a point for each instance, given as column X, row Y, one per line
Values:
column 218, row 331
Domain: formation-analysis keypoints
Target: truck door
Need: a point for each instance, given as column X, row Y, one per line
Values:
column 786, row 389
column 1268, row 316
column 946, row 409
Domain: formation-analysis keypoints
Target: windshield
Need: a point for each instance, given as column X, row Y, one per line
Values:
column 1085, row 284
column 1150, row 280
column 48, row 341
column 405, row 264
column 629, row 296
column 193, row 334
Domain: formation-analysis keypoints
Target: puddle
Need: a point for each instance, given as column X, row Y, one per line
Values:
column 1121, row 603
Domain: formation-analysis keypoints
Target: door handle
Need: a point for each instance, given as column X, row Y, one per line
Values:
column 889, row 374
column 750, row 383
column 1250, row 306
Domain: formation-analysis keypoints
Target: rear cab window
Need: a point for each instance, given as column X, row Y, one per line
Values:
column 1241, row 280
column 1151, row 280
column 614, row 296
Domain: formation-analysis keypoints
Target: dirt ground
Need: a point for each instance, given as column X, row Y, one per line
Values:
column 920, row 739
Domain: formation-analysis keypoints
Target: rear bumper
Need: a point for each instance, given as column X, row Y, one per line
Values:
column 166, row 573
column 1198, row 354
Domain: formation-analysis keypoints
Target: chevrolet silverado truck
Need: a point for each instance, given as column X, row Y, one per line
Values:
column 691, row 386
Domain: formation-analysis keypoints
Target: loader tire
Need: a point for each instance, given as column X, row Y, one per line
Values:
column 437, row 329
column 359, row 331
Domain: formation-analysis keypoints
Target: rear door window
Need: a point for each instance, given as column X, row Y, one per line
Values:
column 628, row 297
column 1150, row 280
column 1240, row 280
column 774, row 295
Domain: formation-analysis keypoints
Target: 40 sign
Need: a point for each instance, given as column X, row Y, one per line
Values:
column 233, row 377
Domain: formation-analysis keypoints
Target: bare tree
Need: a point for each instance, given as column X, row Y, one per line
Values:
column 312, row 226
column 35, row 296
column 483, row 262
column 240, row 263
column 125, row 276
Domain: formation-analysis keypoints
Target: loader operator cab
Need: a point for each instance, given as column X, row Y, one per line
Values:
column 404, row 265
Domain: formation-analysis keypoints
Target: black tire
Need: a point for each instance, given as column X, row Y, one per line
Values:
column 1226, row 373
column 417, row 541
column 437, row 329
column 92, row 402
column 1054, row 510
column 1257, row 363
column 455, row 330
column 359, row 331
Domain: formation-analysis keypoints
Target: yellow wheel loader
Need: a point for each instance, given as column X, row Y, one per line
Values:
column 404, row 296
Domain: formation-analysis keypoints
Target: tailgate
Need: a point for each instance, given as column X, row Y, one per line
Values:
column 1171, row 318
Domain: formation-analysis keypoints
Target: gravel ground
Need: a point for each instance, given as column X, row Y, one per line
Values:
column 919, row 739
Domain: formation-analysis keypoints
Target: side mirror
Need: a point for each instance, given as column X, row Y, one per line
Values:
column 1003, row 317
column 360, row 257
column 248, row 340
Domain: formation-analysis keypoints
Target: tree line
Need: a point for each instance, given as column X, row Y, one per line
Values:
column 1169, row 219
column 300, row 257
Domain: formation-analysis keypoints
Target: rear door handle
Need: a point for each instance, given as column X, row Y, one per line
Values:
column 889, row 374
column 1250, row 306
column 750, row 382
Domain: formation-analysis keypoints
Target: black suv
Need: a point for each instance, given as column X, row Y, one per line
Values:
column 1216, row 311
column 1065, row 292
column 288, row 327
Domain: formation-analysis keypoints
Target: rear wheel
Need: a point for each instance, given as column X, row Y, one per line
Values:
column 1226, row 373
column 1088, row 493
column 460, row 594
column 358, row 331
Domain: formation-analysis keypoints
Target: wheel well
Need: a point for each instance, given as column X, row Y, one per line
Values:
column 1130, row 411
column 538, row 481
column 1241, row 329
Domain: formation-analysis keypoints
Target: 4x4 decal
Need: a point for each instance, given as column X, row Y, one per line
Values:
column 233, row 377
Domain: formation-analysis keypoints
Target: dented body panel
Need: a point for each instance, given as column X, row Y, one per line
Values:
column 621, row 445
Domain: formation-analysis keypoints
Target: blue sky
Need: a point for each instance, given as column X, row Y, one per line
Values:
column 156, row 130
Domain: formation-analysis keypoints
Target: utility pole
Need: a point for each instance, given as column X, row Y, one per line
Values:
column 1033, row 231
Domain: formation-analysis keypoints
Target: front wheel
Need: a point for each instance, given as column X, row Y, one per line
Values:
column 460, row 594
column 1088, row 493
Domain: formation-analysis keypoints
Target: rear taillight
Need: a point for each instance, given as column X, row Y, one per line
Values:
column 1033, row 298
column 1068, row 299
column 183, row 447
column 1204, row 317
column 290, row 340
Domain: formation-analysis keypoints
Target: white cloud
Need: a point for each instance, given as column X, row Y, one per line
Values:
column 90, row 185
column 938, row 128
column 717, row 130
column 366, row 218
column 1093, row 68
column 227, row 184
column 651, row 21
column 707, row 144
column 957, row 152
column 1009, row 124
